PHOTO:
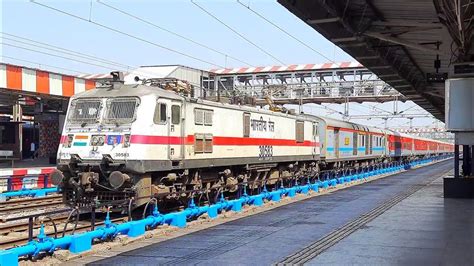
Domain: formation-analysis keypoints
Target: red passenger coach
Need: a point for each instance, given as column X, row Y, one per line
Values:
column 421, row 146
column 400, row 145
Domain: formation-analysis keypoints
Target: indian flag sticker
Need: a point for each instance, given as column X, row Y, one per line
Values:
column 80, row 140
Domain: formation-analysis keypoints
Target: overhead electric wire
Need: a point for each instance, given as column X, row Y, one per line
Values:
column 172, row 32
column 284, row 31
column 374, row 108
column 328, row 109
column 236, row 32
column 99, row 59
column 54, row 55
column 41, row 64
column 125, row 34
column 44, row 46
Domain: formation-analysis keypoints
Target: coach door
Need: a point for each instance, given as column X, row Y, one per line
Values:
column 355, row 143
column 314, row 138
column 336, row 142
column 371, row 143
column 367, row 144
column 176, row 131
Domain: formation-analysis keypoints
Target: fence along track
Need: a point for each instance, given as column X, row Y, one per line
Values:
column 313, row 250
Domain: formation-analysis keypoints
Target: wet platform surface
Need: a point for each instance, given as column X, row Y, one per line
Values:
column 423, row 228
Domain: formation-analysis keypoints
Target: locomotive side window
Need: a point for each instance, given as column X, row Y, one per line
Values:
column 203, row 143
column 203, row 117
column 160, row 113
column 175, row 114
column 315, row 130
column 198, row 143
column 207, row 143
column 299, row 131
column 208, row 117
column 246, row 125
column 198, row 116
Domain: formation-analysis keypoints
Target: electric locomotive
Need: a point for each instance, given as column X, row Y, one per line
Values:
column 122, row 144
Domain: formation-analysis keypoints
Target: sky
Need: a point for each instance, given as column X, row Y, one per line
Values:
column 151, row 46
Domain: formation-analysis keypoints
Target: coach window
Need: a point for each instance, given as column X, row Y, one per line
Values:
column 175, row 114
column 160, row 114
column 299, row 131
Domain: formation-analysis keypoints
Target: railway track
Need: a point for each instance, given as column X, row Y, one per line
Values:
column 17, row 227
column 24, row 204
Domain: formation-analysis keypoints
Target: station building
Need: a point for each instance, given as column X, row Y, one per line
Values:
column 33, row 104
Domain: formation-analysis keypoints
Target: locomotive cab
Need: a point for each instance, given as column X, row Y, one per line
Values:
column 113, row 139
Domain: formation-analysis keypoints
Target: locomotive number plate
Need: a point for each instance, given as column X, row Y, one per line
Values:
column 266, row 151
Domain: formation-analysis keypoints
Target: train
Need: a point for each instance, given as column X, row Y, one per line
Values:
column 126, row 143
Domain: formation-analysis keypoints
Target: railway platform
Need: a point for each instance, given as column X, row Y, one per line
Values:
column 401, row 218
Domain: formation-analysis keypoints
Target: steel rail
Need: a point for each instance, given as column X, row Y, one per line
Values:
column 30, row 203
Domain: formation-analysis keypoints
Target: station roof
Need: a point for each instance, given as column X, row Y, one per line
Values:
column 397, row 40
column 36, row 81
column 30, row 85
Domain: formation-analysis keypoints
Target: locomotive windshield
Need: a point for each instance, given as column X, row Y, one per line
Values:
column 120, row 110
column 85, row 110
column 117, row 110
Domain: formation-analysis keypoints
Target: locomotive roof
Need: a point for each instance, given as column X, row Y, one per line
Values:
column 124, row 90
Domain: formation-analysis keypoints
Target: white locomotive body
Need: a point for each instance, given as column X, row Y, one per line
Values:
column 133, row 142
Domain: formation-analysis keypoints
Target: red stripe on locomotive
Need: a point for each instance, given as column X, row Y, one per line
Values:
column 220, row 141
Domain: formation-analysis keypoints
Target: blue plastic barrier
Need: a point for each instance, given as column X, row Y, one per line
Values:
column 41, row 192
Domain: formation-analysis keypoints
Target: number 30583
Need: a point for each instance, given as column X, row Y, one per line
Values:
column 266, row 151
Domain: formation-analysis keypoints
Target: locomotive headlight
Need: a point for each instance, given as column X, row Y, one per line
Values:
column 126, row 140
column 57, row 177
column 69, row 140
column 101, row 140
column 97, row 140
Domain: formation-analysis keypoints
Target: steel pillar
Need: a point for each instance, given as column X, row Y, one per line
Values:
column 459, row 106
column 17, row 113
column 456, row 161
